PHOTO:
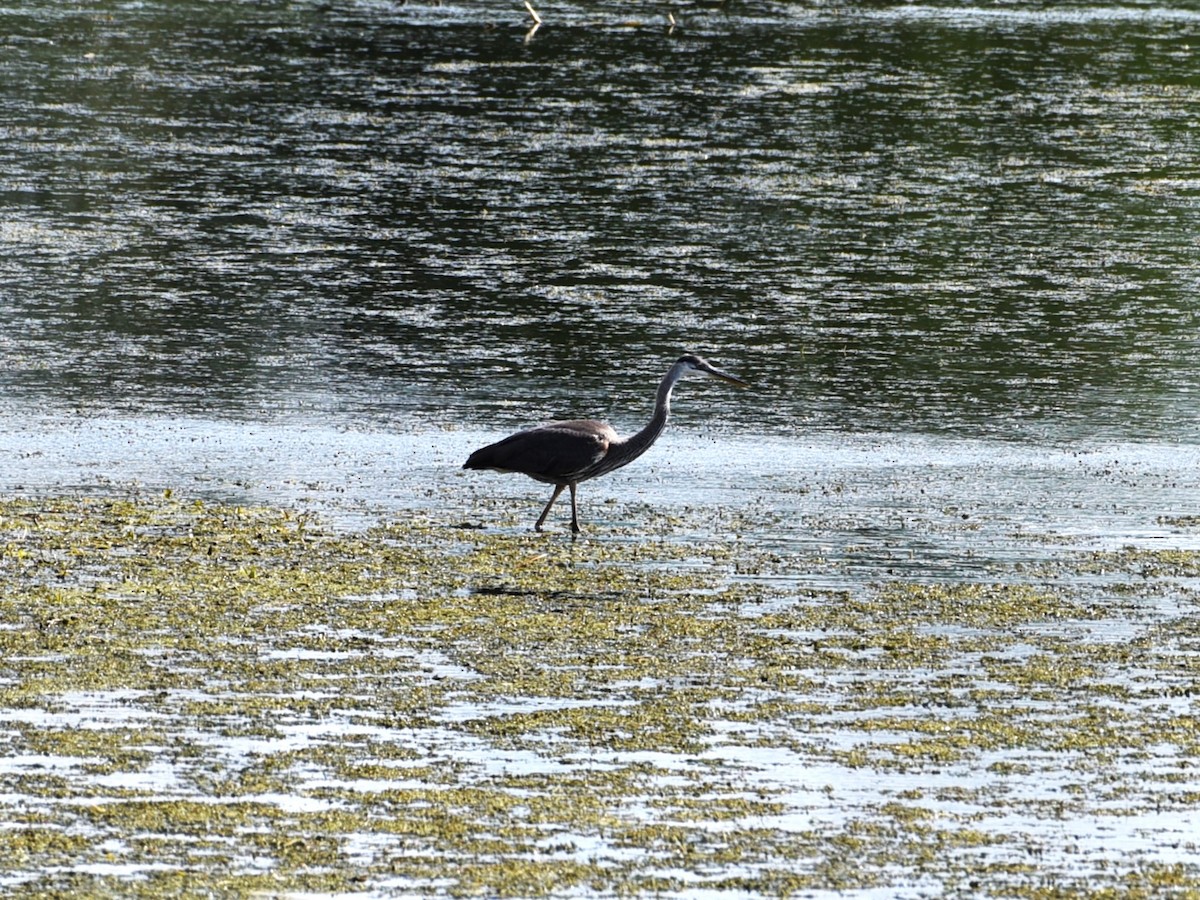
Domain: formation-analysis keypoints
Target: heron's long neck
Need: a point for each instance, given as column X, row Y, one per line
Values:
column 637, row 444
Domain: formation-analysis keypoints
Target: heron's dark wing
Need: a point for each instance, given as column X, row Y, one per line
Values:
column 556, row 450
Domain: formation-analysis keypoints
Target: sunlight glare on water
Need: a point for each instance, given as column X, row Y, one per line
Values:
column 928, row 218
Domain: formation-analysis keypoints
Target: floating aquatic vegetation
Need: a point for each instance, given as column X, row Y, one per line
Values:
column 207, row 698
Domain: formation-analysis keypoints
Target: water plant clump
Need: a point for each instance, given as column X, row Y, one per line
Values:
column 212, row 698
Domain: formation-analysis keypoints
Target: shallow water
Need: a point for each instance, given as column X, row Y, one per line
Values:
column 869, row 505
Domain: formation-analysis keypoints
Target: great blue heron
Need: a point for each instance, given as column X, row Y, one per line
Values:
column 566, row 453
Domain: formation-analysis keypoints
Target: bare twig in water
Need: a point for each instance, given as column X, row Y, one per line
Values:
column 537, row 22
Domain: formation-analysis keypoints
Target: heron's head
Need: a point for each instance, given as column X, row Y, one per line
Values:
column 692, row 363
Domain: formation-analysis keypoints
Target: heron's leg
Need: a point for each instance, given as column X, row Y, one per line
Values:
column 574, row 510
column 558, row 489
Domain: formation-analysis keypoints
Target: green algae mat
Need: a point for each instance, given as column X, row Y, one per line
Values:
column 199, row 699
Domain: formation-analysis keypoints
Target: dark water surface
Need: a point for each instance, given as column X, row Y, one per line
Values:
column 974, row 220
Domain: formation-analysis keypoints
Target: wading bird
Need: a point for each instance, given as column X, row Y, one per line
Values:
column 566, row 453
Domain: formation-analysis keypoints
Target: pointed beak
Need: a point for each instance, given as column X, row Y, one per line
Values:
column 724, row 376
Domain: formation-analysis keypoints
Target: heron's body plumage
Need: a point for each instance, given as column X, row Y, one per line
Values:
column 554, row 452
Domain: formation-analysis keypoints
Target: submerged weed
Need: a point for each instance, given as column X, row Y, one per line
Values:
column 217, row 699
